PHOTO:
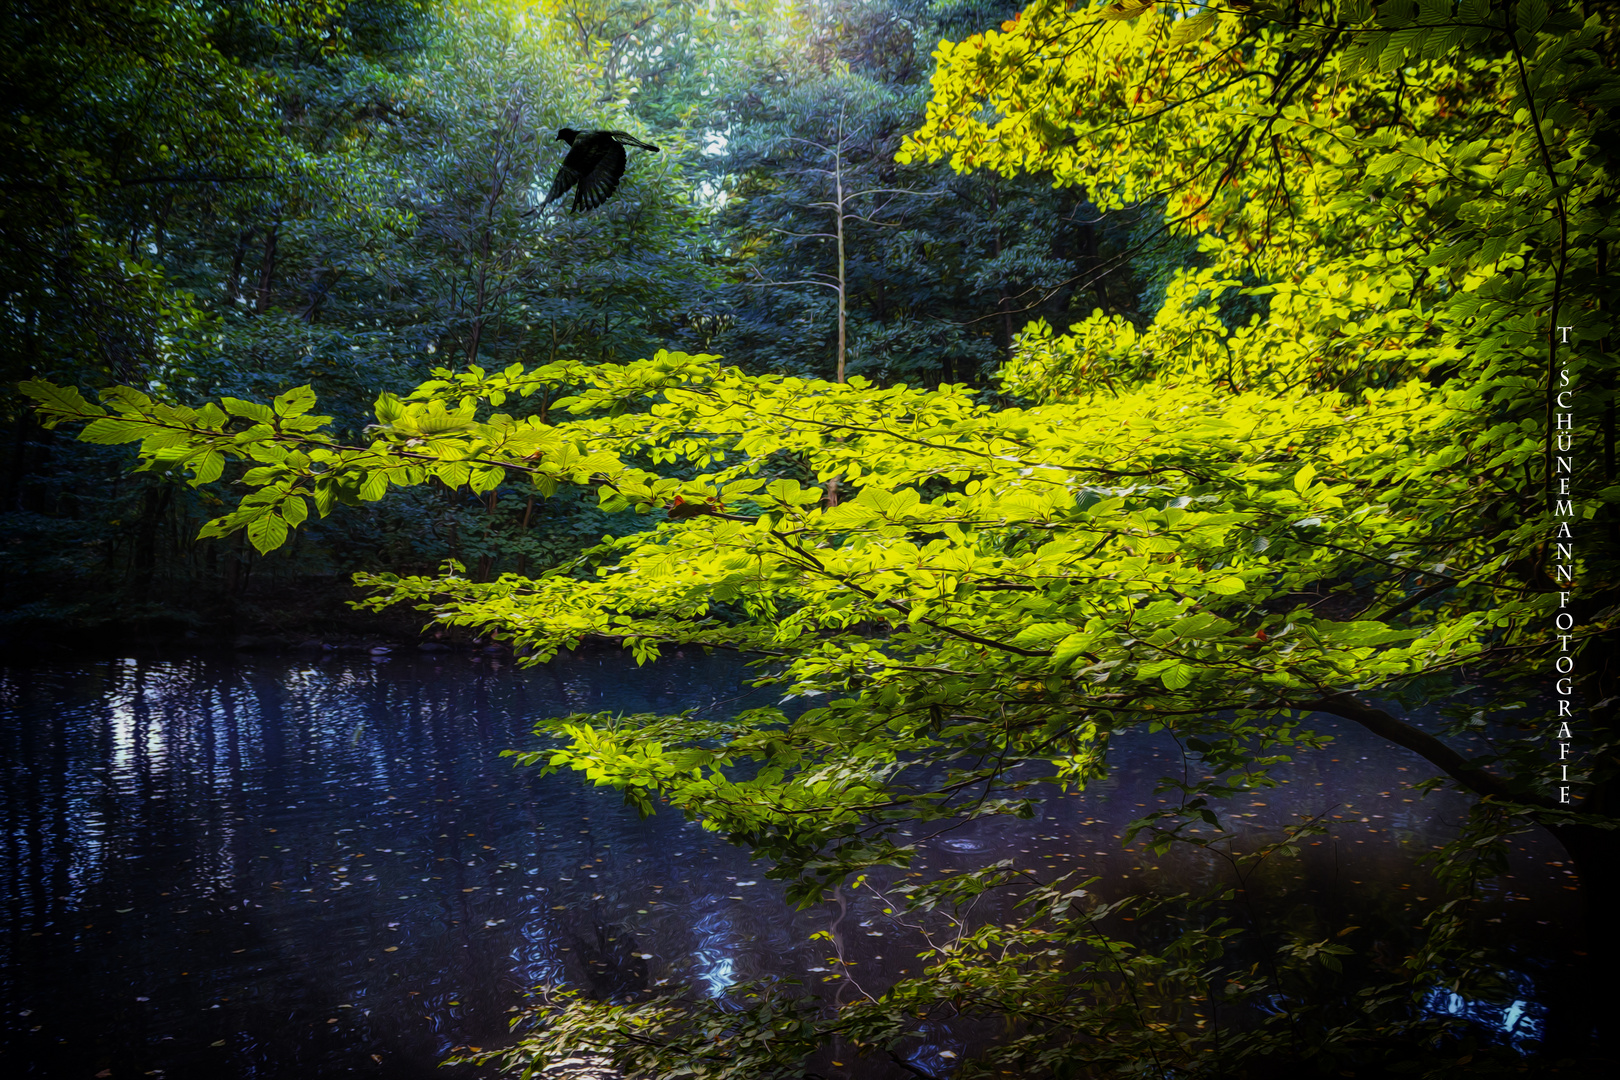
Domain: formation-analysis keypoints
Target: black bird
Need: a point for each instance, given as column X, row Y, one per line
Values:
column 595, row 162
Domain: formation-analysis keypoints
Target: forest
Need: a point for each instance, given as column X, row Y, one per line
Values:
column 1001, row 381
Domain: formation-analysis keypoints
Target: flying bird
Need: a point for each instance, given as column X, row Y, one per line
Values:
column 595, row 163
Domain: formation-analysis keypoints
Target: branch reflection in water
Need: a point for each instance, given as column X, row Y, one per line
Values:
column 295, row 866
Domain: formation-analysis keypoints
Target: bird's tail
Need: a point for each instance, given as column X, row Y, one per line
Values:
column 633, row 141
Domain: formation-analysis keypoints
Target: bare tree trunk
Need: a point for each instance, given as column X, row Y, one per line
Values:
column 838, row 208
column 236, row 568
column 154, row 504
column 267, row 270
column 233, row 284
column 1001, row 290
column 499, row 171
column 843, row 290
column 17, row 467
column 523, row 557
column 486, row 562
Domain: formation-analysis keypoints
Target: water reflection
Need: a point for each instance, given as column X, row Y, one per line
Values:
column 291, row 868
column 1520, row 1021
column 285, row 868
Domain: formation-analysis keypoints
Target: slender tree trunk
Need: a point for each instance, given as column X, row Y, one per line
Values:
column 233, row 284
column 24, row 425
column 236, row 567
column 486, row 562
column 499, row 170
column 838, row 223
column 452, row 533
column 523, row 530
column 1001, row 290
column 17, row 467
column 154, row 504
column 267, row 270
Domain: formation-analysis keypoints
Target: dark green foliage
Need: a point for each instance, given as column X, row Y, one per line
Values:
column 941, row 272
column 238, row 199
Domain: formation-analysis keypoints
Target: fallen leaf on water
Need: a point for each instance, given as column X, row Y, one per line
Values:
column 332, row 1021
column 377, row 1058
column 220, row 1042
column 104, row 1072
column 124, row 910
column 392, row 948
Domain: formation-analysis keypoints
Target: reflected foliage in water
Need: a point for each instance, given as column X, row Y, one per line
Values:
column 295, row 867
column 300, row 867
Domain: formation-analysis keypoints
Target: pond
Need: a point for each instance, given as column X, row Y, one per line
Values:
column 318, row 864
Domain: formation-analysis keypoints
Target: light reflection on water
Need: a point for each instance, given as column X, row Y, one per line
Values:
column 301, row 866
column 1520, row 1021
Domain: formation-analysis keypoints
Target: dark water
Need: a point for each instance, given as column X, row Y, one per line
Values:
column 306, row 867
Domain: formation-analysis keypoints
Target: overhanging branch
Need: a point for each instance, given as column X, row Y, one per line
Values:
column 1420, row 742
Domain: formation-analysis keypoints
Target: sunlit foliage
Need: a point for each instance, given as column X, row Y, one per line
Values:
column 1329, row 497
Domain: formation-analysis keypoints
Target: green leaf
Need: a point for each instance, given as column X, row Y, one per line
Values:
column 1176, row 676
column 108, row 431
column 295, row 402
column 207, row 468
column 487, row 479
column 1531, row 15
column 1042, row 634
column 267, row 532
column 250, row 410
column 1126, row 9
column 1193, row 28
column 61, row 401
column 388, row 408
column 1069, row 649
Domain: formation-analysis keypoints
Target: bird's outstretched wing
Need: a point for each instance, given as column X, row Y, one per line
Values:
column 630, row 140
column 601, row 173
column 566, row 178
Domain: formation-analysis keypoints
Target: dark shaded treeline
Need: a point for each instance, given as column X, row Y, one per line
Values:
column 237, row 198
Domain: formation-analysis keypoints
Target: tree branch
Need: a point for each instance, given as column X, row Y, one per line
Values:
column 1426, row 746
